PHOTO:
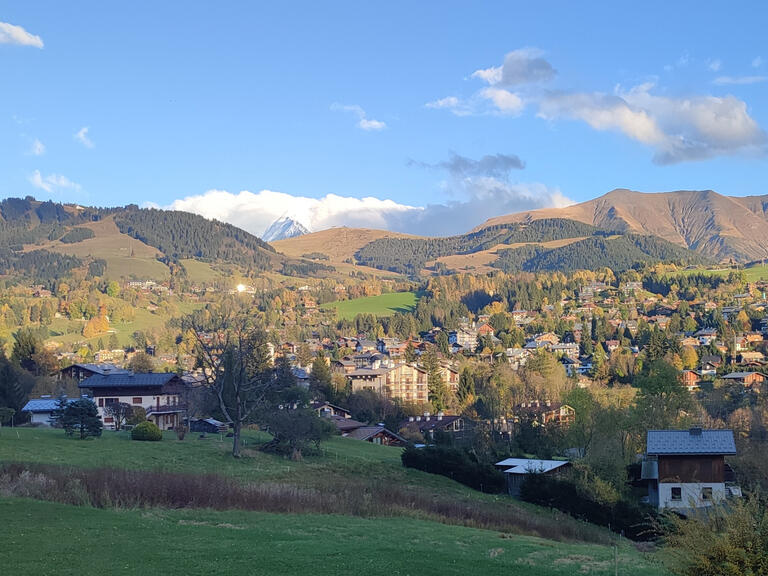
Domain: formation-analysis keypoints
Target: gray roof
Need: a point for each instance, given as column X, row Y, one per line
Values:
column 366, row 432
column 43, row 404
column 128, row 380
column 102, row 368
column 661, row 442
column 739, row 375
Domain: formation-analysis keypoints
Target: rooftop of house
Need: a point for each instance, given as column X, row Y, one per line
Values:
column 45, row 404
column 100, row 368
column 129, row 380
column 365, row 432
column 690, row 442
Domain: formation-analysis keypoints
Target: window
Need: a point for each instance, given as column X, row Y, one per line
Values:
column 101, row 402
column 677, row 494
column 108, row 420
column 706, row 493
column 137, row 400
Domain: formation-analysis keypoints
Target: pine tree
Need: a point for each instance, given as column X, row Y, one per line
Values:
column 438, row 391
column 81, row 416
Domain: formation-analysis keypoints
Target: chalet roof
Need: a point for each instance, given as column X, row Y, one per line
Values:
column 43, row 404
column 739, row 375
column 693, row 441
column 129, row 380
column 434, row 422
column 345, row 424
column 366, row 432
column 100, row 368
column 527, row 466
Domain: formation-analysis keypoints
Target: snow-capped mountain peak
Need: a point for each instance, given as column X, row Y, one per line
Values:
column 282, row 228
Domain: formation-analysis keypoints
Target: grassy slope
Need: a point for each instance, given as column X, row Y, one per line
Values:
column 40, row 537
column 116, row 248
column 45, row 538
column 383, row 305
column 753, row 273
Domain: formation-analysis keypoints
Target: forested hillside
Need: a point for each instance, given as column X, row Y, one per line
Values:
column 184, row 235
column 409, row 255
column 617, row 253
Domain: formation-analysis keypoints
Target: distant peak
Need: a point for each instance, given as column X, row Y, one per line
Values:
column 284, row 227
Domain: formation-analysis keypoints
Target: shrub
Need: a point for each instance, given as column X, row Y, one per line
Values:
column 588, row 498
column 181, row 431
column 146, row 431
column 138, row 415
column 457, row 464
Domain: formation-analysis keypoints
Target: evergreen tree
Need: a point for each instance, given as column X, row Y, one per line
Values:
column 81, row 416
column 466, row 391
column 320, row 380
column 438, row 391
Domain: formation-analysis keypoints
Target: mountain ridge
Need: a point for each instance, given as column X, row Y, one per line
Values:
column 721, row 227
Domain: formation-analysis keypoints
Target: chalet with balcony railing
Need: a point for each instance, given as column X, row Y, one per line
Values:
column 159, row 394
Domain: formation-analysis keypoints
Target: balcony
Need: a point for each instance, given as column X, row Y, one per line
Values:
column 166, row 409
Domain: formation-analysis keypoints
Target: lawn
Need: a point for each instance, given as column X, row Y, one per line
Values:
column 753, row 273
column 47, row 538
column 383, row 305
column 190, row 541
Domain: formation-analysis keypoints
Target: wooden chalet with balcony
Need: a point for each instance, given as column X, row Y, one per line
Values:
column 159, row 394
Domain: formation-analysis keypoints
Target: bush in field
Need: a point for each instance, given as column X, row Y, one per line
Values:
column 457, row 464
column 146, row 431
column 138, row 415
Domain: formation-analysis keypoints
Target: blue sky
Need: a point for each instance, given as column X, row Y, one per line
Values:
column 419, row 116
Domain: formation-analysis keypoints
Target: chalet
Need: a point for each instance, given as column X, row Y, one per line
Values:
column 710, row 364
column 429, row 423
column 612, row 345
column 159, row 394
column 543, row 413
column 550, row 338
column 80, row 372
column 485, row 330
column 690, row 379
column 327, row 409
column 41, row 409
column 686, row 468
column 706, row 336
column 344, row 366
column 516, row 470
column 750, row 357
column 365, row 346
column 748, row 379
column 690, row 341
column 517, row 357
column 376, row 435
column 384, row 345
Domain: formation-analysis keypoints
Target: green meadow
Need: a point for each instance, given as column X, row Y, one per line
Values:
column 383, row 305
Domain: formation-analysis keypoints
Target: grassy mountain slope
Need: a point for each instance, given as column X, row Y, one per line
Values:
column 717, row 226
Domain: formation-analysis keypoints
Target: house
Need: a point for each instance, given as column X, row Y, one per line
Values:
column 41, row 409
column 569, row 349
column 706, row 336
column 710, row 364
column 543, row 413
column 327, row 409
column 516, row 470
column 748, row 379
column 750, row 357
column 429, row 423
column 376, row 435
column 159, row 394
column 485, row 330
column 690, row 379
column 686, row 468
column 80, row 372
column 464, row 338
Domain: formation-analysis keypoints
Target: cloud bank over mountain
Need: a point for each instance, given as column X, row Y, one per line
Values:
column 487, row 197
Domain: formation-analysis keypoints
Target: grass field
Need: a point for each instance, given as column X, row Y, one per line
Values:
column 753, row 273
column 47, row 538
column 42, row 537
column 383, row 305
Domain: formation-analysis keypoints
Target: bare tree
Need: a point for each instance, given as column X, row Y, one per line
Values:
column 119, row 411
column 232, row 351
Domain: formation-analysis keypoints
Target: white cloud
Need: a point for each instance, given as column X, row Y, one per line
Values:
column 457, row 106
column 481, row 197
column 490, row 75
column 738, row 80
column 715, row 65
column 53, row 182
column 363, row 122
column 82, row 137
column 37, row 148
column 678, row 129
column 757, row 62
column 11, row 34
column 506, row 102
